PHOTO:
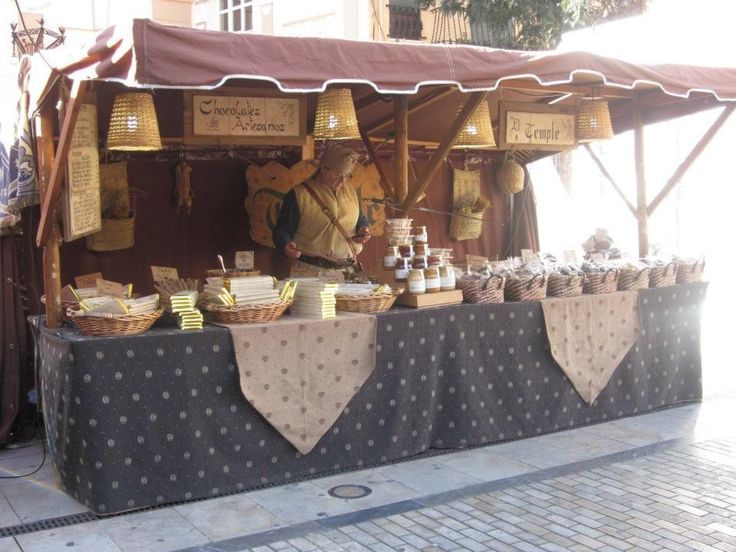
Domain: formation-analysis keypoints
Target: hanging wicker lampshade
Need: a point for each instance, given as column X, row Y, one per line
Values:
column 478, row 131
column 594, row 120
column 133, row 123
column 335, row 118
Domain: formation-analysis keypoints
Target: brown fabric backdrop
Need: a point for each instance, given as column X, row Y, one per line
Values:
column 525, row 231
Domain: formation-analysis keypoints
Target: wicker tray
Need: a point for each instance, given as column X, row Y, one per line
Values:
column 564, row 285
column 690, row 273
column 529, row 289
column 476, row 290
column 367, row 302
column 231, row 273
column 663, row 276
column 596, row 283
column 248, row 314
column 633, row 279
column 122, row 324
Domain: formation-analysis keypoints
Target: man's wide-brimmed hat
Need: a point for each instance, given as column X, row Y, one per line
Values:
column 338, row 158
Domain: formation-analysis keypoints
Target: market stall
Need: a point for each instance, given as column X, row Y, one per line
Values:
column 161, row 416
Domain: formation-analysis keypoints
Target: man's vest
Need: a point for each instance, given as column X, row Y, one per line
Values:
column 316, row 235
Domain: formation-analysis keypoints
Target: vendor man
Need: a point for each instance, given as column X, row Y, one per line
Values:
column 305, row 233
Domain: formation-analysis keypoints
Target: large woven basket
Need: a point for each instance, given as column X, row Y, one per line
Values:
column 564, row 285
column 466, row 226
column 527, row 289
column 596, row 283
column 115, row 234
column 689, row 273
column 510, row 175
column 367, row 302
column 248, row 314
column 122, row 324
column 478, row 290
column 663, row 276
column 631, row 278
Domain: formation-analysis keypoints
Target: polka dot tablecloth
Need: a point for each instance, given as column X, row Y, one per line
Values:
column 143, row 420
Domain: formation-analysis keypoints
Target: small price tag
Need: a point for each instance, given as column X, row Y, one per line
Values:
column 597, row 257
column 160, row 273
column 114, row 289
column 88, row 280
column 244, row 260
column 527, row 255
column 570, row 256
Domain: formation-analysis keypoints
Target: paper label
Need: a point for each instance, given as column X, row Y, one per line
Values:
column 597, row 257
column 527, row 255
column 114, row 289
column 244, row 260
column 160, row 273
column 88, row 280
column 570, row 256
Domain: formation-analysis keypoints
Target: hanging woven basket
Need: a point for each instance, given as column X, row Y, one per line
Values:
column 115, row 234
column 510, row 175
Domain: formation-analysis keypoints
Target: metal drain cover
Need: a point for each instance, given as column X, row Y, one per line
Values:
column 349, row 491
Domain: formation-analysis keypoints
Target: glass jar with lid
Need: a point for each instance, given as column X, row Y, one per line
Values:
column 389, row 257
column 406, row 250
column 401, row 270
column 420, row 234
column 447, row 278
column 419, row 262
column 434, row 260
column 416, row 282
column 432, row 279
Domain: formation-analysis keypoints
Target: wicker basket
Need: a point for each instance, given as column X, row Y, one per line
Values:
column 663, row 275
column 477, row 290
column 248, row 314
column 689, row 273
column 630, row 278
column 466, row 226
column 122, row 324
column 115, row 234
column 596, row 283
column 367, row 302
column 510, row 175
column 528, row 289
column 564, row 285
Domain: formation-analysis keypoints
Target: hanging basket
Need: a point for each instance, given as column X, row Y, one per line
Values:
column 510, row 175
column 116, row 234
column 467, row 226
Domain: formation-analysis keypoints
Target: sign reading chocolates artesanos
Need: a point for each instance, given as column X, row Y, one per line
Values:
column 245, row 116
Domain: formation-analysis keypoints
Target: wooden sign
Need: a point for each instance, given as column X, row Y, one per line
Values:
column 81, row 210
column 536, row 127
column 244, row 116
column 114, row 289
column 160, row 273
column 88, row 280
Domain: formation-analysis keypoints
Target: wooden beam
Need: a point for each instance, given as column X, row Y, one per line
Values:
column 413, row 107
column 608, row 176
column 48, row 209
column 308, row 147
column 384, row 181
column 44, row 124
column 641, row 186
column 443, row 149
column 401, row 147
column 690, row 159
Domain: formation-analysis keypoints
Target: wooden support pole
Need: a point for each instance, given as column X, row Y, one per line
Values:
column 384, row 181
column 401, row 147
column 48, row 208
column 308, row 147
column 608, row 176
column 51, row 275
column 690, row 159
column 641, row 186
column 443, row 149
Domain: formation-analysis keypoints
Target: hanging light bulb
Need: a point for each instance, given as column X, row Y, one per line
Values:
column 133, row 123
column 335, row 118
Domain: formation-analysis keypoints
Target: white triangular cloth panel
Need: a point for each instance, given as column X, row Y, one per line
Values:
column 301, row 373
column 590, row 335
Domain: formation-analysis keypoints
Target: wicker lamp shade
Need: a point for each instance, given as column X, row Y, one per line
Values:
column 335, row 118
column 133, row 123
column 478, row 131
column 594, row 120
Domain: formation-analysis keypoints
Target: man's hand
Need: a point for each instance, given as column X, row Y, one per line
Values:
column 363, row 234
column 292, row 251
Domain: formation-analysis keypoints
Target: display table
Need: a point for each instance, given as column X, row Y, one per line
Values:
column 158, row 418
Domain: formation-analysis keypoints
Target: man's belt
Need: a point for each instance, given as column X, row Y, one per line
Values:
column 326, row 263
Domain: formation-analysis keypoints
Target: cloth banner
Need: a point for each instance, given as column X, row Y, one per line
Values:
column 301, row 373
column 590, row 335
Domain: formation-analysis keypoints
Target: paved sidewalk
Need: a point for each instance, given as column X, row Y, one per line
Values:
column 682, row 498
